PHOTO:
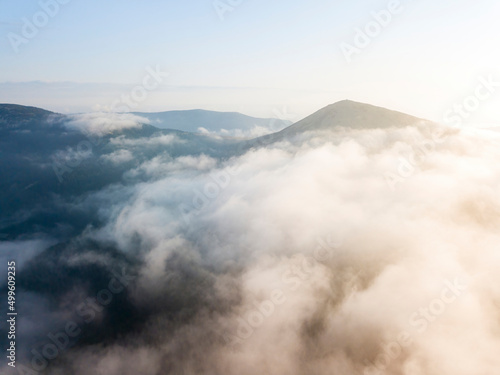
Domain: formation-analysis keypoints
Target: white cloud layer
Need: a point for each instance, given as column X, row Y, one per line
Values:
column 101, row 123
column 322, row 266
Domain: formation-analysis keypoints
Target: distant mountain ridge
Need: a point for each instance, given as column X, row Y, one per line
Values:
column 212, row 121
column 346, row 113
column 193, row 121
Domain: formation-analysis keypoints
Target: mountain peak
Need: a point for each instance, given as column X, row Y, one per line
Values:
column 351, row 114
column 346, row 114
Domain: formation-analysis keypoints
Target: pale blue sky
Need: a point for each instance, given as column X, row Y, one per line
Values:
column 264, row 57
